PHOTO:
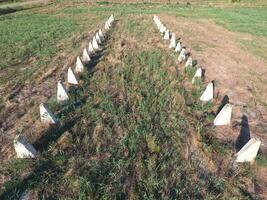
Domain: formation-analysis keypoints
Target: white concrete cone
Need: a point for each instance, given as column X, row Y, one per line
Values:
column 249, row 151
column 182, row 55
column 110, row 22
column 178, row 47
column 224, row 116
column 189, row 62
column 101, row 35
column 173, row 42
column 62, row 94
column 162, row 29
column 159, row 24
column 156, row 20
column 112, row 19
column 97, row 37
column 46, row 115
column 23, row 148
column 90, row 48
column 86, row 58
column 107, row 26
column 95, row 44
column 198, row 74
column 71, row 76
column 207, row 95
column 167, row 35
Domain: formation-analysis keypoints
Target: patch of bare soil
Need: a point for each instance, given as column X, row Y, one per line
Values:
column 239, row 76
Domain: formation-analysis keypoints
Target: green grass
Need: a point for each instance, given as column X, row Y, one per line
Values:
column 38, row 34
column 29, row 42
column 132, row 135
column 137, row 135
column 252, row 20
column 32, row 39
column 261, row 160
column 26, row 36
column 247, row 20
column 240, row 19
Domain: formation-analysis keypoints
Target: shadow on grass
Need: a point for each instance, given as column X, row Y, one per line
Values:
column 244, row 135
column 53, row 133
column 32, row 180
column 7, row 10
column 224, row 101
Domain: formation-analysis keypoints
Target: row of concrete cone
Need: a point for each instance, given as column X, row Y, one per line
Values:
column 250, row 149
column 23, row 148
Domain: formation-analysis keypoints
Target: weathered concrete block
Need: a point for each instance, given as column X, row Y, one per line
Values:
column 62, row 94
column 46, row 115
column 198, row 74
column 249, row 151
column 23, row 148
column 224, row 116
column 71, row 76
column 173, row 42
column 207, row 95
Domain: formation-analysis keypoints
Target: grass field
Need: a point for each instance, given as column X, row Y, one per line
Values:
column 133, row 129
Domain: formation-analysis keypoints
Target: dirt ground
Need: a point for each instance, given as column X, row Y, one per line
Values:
column 238, row 75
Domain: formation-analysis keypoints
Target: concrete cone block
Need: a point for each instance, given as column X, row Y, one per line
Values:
column 90, row 48
column 198, row 74
column 189, row 62
column 159, row 24
column 86, row 58
column 46, row 115
column 162, row 29
column 107, row 25
column 182, row 55
column 97, row 37
column 249, row 151
column 95, row 44
column 224, row 116
column 207, row 95
column 111, row 19
column 167, row 35
column 173, row 42
column 23, row 148
column 101, row 35
column 62, row 94
column 178, row 47
column 71, row 76
column 155, row 18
